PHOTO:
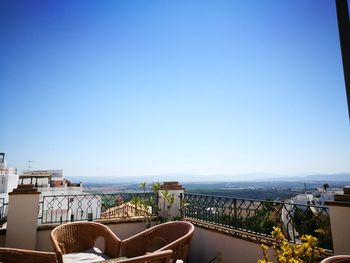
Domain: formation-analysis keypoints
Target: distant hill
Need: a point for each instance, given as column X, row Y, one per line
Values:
column 146, row 178
column 339, row 177
column 343, row 177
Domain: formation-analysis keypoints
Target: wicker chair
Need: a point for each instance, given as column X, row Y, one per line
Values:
column 80, row 237
column 15, row 255
column 336, row 259
column 156, row 257
column 172, row 235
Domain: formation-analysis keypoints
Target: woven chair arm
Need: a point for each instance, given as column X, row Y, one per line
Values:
column 113, row 244
column 57, row 249
column 179, row 247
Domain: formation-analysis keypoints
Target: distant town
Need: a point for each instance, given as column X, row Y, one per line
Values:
column 309, row 190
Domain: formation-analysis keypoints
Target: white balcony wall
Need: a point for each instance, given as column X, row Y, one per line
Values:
column 207, row 244
column 62, row 190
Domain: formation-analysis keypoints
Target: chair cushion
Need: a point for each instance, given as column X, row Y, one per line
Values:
column 90, row 255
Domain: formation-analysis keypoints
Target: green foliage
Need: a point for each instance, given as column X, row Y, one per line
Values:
column 169, row 200
column 262, row 194
column 143, row 186
column 152, row 202
column 306, row 222
column 155, row 187
column 143, row 202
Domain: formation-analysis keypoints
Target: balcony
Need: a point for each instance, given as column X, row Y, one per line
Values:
column 227, row 229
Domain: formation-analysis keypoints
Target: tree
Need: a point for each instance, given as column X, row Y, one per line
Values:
column 155, row 187
column 143, row 186
column 168, row 201
column 325, row 186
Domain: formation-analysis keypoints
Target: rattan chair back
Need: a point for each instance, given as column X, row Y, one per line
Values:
column 79, row 236
column 174, row 235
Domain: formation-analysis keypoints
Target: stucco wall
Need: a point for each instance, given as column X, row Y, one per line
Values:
column 43, row 242
column 2, row 238
column 207, row 244
column 22, row 218
column 340, row 226
column 125, row 230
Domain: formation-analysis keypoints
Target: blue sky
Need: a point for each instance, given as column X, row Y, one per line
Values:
column 129, row 88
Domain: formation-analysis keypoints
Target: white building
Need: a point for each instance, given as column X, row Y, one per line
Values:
column 323, row 195
column 303, row 199
column 8, row 179
column 61, row 200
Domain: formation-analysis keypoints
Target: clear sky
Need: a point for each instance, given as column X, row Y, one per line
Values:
column 130, row 88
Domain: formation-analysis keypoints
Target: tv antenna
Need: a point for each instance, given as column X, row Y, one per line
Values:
column 29, row 164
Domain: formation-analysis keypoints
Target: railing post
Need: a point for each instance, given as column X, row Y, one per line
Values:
column 175, row 189
column 22, row 218
column 182, row 208
column 235, row 212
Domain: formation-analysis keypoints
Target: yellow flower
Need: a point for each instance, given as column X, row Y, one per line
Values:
column 277, row 233
column 264, row 261
column 282, row 259
column 320, row 231
column 309, row 239
column 264, row 247
column 286, row 252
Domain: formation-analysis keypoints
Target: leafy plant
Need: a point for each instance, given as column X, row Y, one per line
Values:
column 168, row 202
column 149, row 205
column 146, row 203
column 143, row 186
column 306, row 223
column 305, row 252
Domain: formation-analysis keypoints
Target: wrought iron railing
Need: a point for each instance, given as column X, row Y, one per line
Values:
column 67, row 208
column 3, row 211
column 259, row 217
